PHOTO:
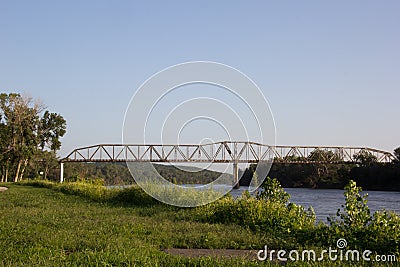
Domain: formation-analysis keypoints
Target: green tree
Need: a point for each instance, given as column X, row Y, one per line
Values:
column 397, row 154
column 52, row 126
column 320, row 155
column 356, row 213
column 365, row 158
column 273, row 192
column 24, row 131
column 19, row 118
column 321, row 169
column 42, row 163
column 5, row 150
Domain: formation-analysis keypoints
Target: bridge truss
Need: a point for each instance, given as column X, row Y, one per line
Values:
column 222, row 152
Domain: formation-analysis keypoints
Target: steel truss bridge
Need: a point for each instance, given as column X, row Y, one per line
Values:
column 222, row 152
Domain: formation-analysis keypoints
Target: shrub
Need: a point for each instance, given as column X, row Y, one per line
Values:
column 383, row 231
column 268, row 212
column 91, row 191
column 94, row 190
column 273, row 192
column 37, row 183
column 132, row 195
column 379, row 232
column 356, row 213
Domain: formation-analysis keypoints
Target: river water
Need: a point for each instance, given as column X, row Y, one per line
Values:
column 326, row 202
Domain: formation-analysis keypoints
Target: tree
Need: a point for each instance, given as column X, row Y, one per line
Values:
column 320, row 155
column 397, row 154
column 23, row 131
column 356, row 213
column 365, row 158
column 273, row 192
column 4, row 150
column 19, row 117
column 51, row 127
column 42, row 163
column 321, row 169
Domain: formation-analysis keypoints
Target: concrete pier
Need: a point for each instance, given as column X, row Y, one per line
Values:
column 236, row 184
column 61, row 172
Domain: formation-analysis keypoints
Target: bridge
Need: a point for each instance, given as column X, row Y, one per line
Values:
column 222, row 152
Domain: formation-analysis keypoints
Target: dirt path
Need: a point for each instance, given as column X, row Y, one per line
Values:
column 223, row 253
column 2, row 188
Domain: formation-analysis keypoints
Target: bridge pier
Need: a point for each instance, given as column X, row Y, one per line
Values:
column 236, row 184
column 61, row 172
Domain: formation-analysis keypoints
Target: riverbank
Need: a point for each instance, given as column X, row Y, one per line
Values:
column 78, row 225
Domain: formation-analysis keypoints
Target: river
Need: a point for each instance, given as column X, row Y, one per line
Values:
column 326, row 201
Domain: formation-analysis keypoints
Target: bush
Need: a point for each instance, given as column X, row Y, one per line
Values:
column 379, row 232
column 37, row 183
column 356, row 213
column 269, row 212
column 133, row 195
column 383, row 231
column 91, row 191
column 94, row 190
column 273, row 192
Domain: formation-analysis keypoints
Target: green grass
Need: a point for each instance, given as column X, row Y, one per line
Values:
column 42, row 226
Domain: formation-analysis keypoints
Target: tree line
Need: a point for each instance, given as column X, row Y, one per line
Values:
column 29, row 137
column 366, row 171
column 117, row 173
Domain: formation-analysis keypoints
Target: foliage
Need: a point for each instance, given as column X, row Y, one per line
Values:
column 323, row 155
column 119, row 174
column 43, row 165
column 96, row 191
column 268, row 212
column 378, row 232
column 273, row 192
column 368, row 173
column 194, row 176
column 303, row 175
column 378, row 177
column 111, row 173
column 384, row 230
column 397, row 155
column 356, row 213
column 52, row 126
column 365, row 158
column 26, row 131
column 260, row 215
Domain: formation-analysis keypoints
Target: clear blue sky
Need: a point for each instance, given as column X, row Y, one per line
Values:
column 330, row 71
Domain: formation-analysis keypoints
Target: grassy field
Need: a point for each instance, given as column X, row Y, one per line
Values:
column 45, row 227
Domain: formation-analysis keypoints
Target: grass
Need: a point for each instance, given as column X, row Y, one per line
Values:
column 48, row 228
column 44, row 226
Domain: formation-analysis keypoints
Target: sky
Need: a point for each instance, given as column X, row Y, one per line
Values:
column 329, row 70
